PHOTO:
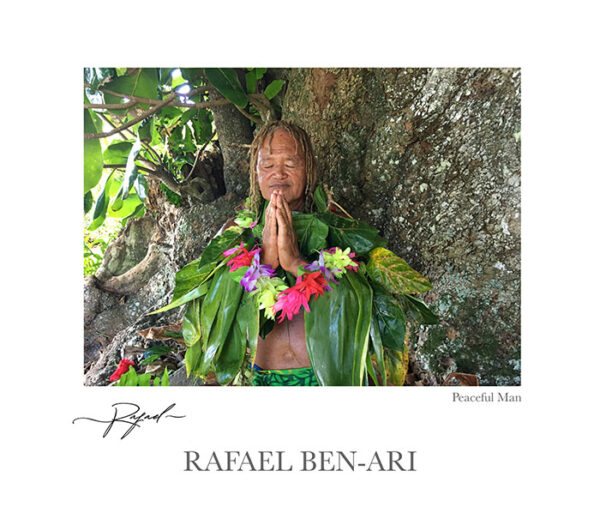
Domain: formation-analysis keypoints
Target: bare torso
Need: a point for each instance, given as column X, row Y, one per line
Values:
column 284, row 347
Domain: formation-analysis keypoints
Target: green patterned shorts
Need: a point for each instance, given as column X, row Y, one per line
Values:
column 304, row 377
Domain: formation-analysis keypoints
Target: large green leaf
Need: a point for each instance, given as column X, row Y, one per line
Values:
column 192, row 75
column 196, row 292
column 190, row 276
column 127, row 208
column 146, row 130
column 214, row 251
column 311, row 233
column 391, row 271
column 101, row 204
column 193, row 357
column 191, row 323
column 225, row 293
column 92, row 153
column 253, row 76
column 248, row 320
column 227, row 83
column 251, row 82
column 118, row 152
column 337, row 330
column 418, row 310
column 320, row 199
column 143, row 83
column 396, row 364
column 273, row 88
column 191, row 281
column 88, row 201
column 352, row 233
column 390, row 318
column 141, row 187
column 202, row 124
column 212, row 302
column 376, row 347
column 164, row 381
column 231, row 355
column 131, row 173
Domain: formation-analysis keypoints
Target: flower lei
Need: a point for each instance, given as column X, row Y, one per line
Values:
column 272, row 293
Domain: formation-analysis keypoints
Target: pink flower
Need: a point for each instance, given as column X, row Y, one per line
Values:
column 291, row 300
column 289, row 303
column 123, row 367
column 233, row 251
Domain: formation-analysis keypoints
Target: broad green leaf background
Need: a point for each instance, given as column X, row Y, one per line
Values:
column 394, row 274
column 337, row 331
column 228, row 84
column 92, row 153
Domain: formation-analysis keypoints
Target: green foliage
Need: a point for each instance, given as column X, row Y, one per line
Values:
column 352, row 233
column 191, row 323
column 228, row 84
column 133, row 379
column 218, row 311
column 320, row 199
column 394, row 274
column 337, row 331
column 391, row 321
column 273, row 88
column 310, row 232
column 168, row 138
column 155, row 352
column 252, row 77
column 116, row 170
column 142, row 83
column 355, row 331
column 171, row 196
column 92, row 153
column 417, row 310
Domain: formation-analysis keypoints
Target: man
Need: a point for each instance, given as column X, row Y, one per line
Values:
column 283, row 171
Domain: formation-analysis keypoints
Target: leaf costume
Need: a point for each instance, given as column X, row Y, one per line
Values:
column 356, row 295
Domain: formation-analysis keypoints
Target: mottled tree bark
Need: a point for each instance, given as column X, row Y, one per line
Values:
column 432, row 158
column 234, row 133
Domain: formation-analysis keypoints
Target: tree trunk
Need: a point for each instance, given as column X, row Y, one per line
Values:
column 431, row 157
column 234, row 133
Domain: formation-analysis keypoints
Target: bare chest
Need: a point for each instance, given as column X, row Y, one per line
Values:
column 284, row 347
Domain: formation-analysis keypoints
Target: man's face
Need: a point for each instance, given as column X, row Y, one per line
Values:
column 280, row 166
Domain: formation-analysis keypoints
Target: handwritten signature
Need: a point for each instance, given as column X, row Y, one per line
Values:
column 129, row 414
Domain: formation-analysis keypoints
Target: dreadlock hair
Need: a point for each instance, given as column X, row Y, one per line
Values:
column 303, row 145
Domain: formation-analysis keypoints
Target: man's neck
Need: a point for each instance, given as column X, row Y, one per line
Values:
column 297, row 205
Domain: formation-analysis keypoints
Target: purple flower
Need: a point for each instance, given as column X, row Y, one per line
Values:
column 254, row 272
column 253, row 224
column 319, row 265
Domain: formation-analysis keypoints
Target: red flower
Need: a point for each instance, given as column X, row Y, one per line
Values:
column 123, row 367
column 242, row 260
column 291, row 300
column 313, row 283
